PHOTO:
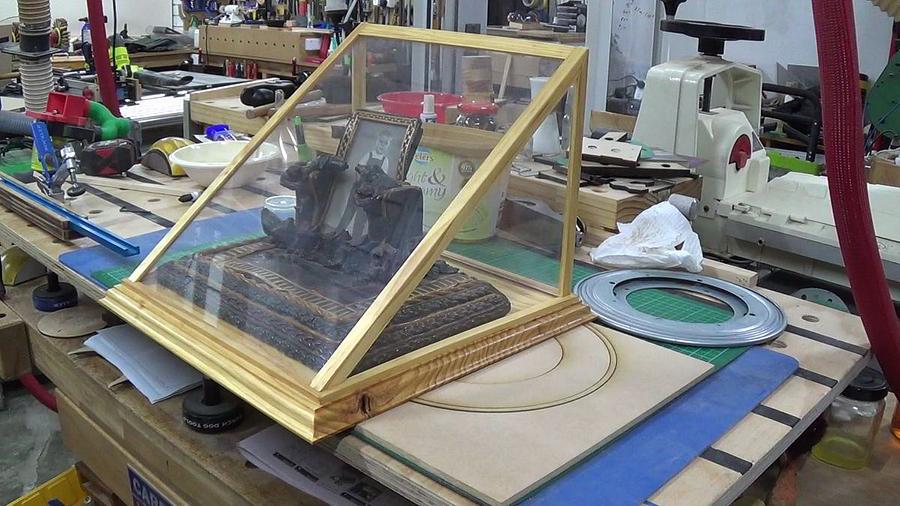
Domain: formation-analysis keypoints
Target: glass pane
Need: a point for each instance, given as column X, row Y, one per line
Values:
column 518, row 228
column 287, row 258
column 505, row 258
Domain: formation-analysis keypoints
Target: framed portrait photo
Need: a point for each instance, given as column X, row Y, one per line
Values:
column 384, row 140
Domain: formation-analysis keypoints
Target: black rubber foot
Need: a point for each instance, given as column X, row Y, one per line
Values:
column 211, row 418
column 55, row 295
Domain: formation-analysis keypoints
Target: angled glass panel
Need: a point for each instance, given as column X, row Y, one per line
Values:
column 286, row 258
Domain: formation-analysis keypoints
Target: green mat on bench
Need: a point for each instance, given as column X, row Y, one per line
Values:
column 515, row 258
column 526, row 262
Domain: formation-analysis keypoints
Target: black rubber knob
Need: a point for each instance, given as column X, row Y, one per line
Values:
column 712, row 36
column 55, row 295
column 672, row 6
column 76, row 190
column 211, row 410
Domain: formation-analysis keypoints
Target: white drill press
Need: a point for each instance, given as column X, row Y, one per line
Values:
column 708, row 107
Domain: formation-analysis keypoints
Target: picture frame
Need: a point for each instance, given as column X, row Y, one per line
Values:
column 365, row 135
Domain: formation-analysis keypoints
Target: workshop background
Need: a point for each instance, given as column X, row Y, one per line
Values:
column 148, row 340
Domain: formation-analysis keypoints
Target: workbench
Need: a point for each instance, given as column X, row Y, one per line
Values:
column 600, row 206
column 113, row 429
column 276, row 51
column 148, row 60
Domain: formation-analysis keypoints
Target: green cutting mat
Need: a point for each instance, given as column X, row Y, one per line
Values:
column 16, row 161
column 515, row 258
column 672, row 306
column 114, row 275
column 531, row 264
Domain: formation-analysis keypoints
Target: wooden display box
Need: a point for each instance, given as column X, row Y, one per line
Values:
column 317, row 401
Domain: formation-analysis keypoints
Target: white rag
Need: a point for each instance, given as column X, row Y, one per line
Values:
column 660, row 237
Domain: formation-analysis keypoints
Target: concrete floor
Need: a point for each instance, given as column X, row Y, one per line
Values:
column 31, row 447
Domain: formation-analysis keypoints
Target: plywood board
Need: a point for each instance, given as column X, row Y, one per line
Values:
column 601, row 207
column 617, row 153
column 539, row 412
column 81, row 320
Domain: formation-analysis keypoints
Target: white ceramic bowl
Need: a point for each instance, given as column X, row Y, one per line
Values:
column 204, row 161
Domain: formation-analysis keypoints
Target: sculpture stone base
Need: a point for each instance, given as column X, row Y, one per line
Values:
column 304, row 309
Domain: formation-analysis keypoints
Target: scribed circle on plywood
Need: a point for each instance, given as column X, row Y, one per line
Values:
column 554, row 372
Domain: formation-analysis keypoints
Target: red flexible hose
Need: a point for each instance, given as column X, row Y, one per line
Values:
column 40, row 393
column 842, row 122
column 100, row 48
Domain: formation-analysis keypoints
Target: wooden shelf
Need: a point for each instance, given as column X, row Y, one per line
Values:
column 278, row 51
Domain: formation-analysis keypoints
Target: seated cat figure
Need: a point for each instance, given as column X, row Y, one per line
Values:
column 394, row 223
column 313, row 184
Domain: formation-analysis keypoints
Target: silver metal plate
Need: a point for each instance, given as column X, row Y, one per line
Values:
column 755, row 319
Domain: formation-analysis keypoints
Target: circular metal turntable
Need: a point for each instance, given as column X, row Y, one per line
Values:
column 738, row 316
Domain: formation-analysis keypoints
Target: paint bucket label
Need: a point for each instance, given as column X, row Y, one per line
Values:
column 441, row 176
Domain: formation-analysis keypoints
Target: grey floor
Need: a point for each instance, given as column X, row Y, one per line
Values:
column 31, row 447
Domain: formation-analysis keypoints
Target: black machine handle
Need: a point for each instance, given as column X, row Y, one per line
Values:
column 712, row 36
column 264, row 93
column 672, row 6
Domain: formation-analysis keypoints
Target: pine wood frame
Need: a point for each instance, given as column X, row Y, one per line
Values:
column 333, row 401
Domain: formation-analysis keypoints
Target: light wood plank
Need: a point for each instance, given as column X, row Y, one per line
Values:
column 543, row 403
column 393, row 473
column 698, row 483
column 15, row 357
column 103, row 454
column 573, row 187
column 122, row 183
column 814, row 356
column 358, row 74
column 369, row 377
column 820, row 319
column 797, row 396
column 752, row 438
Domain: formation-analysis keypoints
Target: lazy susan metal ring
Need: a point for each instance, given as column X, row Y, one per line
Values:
column 755, row 319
